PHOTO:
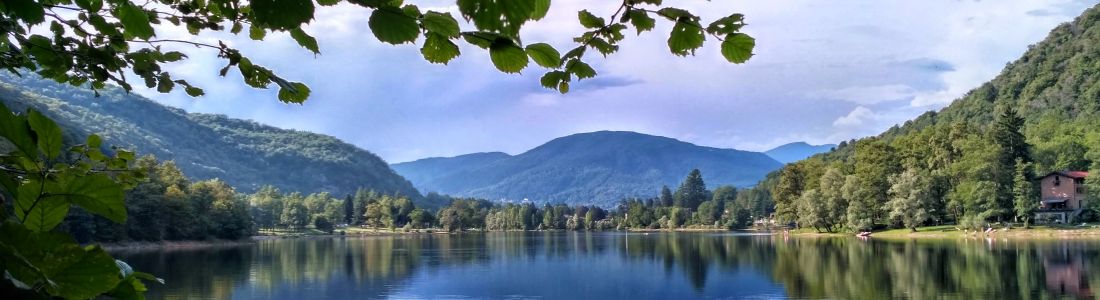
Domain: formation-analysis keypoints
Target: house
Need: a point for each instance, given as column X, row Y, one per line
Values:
column 1062, row 196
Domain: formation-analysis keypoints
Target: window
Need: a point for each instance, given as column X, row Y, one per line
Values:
column 1080, row 189
column 1057, row 181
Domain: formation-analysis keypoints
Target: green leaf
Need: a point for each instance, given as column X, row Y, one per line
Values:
column 438, row 49
column 551, row 79
column 675, row 14
column 93, row 141
column 685, row 38
column 540, row 9
column 508, row 57
column 14, row 128
column 482, row 39
column 581, row 69
column 727, row 25
column 294, row 92
column 256, row 33
column 47, row 133
column 194, row 91
column 42, row 49
column 90, row 5
column 737, row 48
column 95, row 193
column 504, row 17
column 641, row 20
column 440, row 23
column 588, row 20
column 305, row 40
column 39, row 214
column 172, row 56
column 29, row 10
column 282, row 14
column 134, row 20
column 87, row 273
column 328, row 2
column 391, row 25
column 544, row 55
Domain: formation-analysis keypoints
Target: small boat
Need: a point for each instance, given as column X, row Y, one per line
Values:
column 864, row 234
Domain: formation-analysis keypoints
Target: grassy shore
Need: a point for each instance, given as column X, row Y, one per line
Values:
column 951, row 231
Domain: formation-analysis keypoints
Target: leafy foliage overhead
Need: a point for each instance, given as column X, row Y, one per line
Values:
column 96, row 41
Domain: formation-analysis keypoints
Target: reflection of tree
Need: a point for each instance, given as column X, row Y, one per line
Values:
column 840, row 268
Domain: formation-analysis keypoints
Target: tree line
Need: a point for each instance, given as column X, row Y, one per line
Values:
column 947, row 173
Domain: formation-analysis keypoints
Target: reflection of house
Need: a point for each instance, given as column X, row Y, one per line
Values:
column 1065, row 274
column 1062, row 195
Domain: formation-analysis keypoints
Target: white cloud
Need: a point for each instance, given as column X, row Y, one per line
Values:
column 857, row 117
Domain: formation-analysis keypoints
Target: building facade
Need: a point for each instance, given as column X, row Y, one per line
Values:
column 1062, row 196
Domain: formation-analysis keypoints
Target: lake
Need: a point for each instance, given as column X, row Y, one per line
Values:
column 602, row 265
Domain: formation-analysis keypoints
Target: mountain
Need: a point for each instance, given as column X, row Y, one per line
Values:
column 591, row 168
column 797, row 151
column 243, row 153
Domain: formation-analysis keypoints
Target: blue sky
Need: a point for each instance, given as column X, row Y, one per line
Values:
column 824, row 71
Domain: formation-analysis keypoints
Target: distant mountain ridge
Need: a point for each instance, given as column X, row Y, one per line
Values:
column 592, row 168
column 243, row 153
column 797, row 151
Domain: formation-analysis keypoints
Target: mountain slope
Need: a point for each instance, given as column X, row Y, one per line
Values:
column 423, row 172
column 597, row 168
column 797, row 151
column 243, row 153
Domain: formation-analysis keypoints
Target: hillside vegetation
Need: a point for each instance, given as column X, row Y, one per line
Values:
column 244, row 154
column 972, row 163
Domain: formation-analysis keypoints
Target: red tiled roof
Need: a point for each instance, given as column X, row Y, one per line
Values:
column 1071, row 174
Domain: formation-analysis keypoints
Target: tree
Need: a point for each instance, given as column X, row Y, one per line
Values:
column 832, row 193
column 295, row 214
column 1024, row 194
column 450, row 220
column 349, row 209
column 666, row 196
column 322, row 223
column 692, row 191
column 1007, row 134
column 861, row 216
column 787, row 191
column 874, row 163
column 811, row 211
column 267, row 206
column 910, row 198
column 97, row 41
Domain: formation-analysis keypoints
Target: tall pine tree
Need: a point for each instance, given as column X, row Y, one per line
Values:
column 692, row 191
column 1007, row 134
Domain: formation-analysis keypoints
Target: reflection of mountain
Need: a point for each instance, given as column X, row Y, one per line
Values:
column 616, row 265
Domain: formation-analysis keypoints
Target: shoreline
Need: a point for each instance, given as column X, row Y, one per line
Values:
column 932, row 232
column 949, row 231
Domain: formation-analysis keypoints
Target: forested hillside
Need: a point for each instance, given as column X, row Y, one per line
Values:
column 245, row 154
column 588, row 168
column 972, row 162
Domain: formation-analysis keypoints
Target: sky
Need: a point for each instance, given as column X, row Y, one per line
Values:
column 824, row 71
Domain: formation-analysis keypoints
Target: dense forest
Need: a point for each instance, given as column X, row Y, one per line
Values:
column 974, row 162
column 244, row 154
column 595, row 168
column 169, row 206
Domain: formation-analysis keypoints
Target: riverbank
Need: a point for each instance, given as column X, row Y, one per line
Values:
column 950, row 231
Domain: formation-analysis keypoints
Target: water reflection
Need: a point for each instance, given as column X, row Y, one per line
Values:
column 621, row 265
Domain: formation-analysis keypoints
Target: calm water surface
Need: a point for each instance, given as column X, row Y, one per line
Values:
column 602, row 265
